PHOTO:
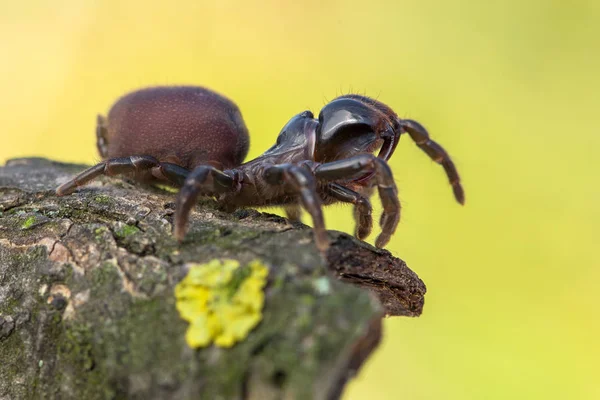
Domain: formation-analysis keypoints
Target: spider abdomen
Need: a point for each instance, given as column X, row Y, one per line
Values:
column 184, row 125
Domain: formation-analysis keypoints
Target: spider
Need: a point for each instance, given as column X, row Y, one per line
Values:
column 193, row 138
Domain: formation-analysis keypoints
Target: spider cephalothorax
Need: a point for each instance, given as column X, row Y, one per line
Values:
column 193, row 138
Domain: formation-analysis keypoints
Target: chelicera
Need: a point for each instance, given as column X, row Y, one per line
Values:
column 196, row 139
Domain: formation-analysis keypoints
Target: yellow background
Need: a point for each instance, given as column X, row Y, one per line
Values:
column 510, row 88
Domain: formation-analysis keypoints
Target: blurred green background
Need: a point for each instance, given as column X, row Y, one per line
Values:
column 510, row 88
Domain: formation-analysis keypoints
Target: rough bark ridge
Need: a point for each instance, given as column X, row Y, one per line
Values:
column 87, row 309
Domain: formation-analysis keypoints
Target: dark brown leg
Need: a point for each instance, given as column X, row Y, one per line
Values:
column 419, row 135
column 101, row 136
column 356, row 167
column 126, row 165
column 204, row 180
column 362, row 208
column 302, row 182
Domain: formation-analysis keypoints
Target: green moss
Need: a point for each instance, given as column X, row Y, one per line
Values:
column 96, row 360
column 13, row 353
column 99, row 232
column 71, row 211
column 28, row 223
column 279, row 282
column 102, row 199
column 126, row 230
column 8, row 307
column 307, row 300
column 76, row 352
column 104, row 277
column 50, row 213
column 204, row 234
column 77, row 345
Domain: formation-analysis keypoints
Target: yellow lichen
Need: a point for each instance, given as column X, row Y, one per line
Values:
column 222, row 301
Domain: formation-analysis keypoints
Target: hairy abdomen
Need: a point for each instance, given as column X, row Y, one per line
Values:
column 185, row 125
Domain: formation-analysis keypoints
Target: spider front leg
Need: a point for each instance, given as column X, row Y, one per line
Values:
column 420, row 136
column 302, row 182
column 362, row 208
column 355, row 168
column 140, row 165
column 204, row 180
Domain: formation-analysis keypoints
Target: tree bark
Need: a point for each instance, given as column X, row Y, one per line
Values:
column 87, row 305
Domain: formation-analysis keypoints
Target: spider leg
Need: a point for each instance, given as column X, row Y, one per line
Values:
column 126, row 165
column 362, row 208
column 204, row 180
column 102, row 136
column 302, row 182
column 420, row 136
column 355, row 168
column 293, row 212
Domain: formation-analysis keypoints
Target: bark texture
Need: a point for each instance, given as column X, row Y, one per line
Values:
column 87, row 306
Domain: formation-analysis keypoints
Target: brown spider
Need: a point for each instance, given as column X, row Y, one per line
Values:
column 193, row 138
